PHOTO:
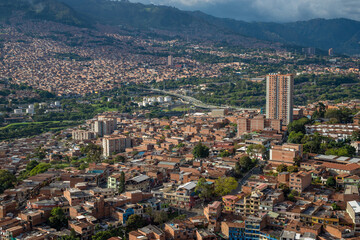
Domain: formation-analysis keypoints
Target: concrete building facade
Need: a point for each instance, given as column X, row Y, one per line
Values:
column 279, row 97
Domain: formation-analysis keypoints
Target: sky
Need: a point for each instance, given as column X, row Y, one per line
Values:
column 269, row 10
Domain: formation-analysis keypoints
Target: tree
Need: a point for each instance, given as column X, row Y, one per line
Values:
column 345, row 151
column 237, row 170
column 160, row 217
column 245, row 163
column 343, row 115
column 40, row 168
column 295, row 137
column 291, row 197
column 335, row 207
column 292, row 169
column 58, row 220
column 122, row 182
column 32, row 164
column 282, row 168
column 93, row 152
column 225, row 185
column 285, row 189
column 355, row 136
column 134, row 222
column 120, row 159
column 111, row 232
column 201, row 151
column 40, row 153
column 298, row 125
column 224, row 153
column 330, row 182
column 204, row 188
column 319, row 113
column 297, row 161
column 7, row 180
column 256, row 149
column 294, row 192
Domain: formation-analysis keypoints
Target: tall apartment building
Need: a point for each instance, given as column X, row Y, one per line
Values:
column 81, row 135
column 170, row 60
column 279, row 97
column 115, row 144
column 104, row 126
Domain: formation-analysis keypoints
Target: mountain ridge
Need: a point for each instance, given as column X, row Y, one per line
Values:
column 343, row 35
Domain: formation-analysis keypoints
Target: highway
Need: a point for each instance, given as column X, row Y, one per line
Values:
column 198, row 103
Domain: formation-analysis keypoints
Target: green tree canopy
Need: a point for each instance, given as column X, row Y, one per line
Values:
column 224, row 153
column 93, row 152
column 7, row 180
column 335, row 206
column 355, row 136
column 31, row 165
column 134, row 222
column 120, row 159
column 282, row 168
column 201, row 151
column 204, row 188
column 342, row 115
column 345, row 151
column 245, row 163
column 225, row 185
column 111, row 232
column 295, row 137
column 298, row 125
column 122, row 182
column 256, row 148
column 40, row 168
column 58, row 220
column 331, row 182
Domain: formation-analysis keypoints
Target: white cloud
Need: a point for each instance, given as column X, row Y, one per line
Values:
column 269, row 10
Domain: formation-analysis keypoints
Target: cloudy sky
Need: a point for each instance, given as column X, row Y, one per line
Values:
column 269, row 10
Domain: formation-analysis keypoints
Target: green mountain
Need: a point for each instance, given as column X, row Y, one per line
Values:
column 343, row 35
column 133, row 14
column 50, row 10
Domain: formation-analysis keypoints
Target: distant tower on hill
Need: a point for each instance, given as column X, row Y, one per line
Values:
column 331, row 52
column 170, row 60
column 279, row 97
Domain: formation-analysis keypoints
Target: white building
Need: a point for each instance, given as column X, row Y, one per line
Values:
column 30, row 111
column 353, row 209
column 167, row 99
column 18, row 111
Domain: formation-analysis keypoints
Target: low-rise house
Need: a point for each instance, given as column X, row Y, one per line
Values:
column 147, row 233
column 141, row 182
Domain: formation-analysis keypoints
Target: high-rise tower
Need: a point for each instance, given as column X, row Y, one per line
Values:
column 279, row 97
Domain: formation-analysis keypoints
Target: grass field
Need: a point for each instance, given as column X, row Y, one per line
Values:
column 27, row 129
